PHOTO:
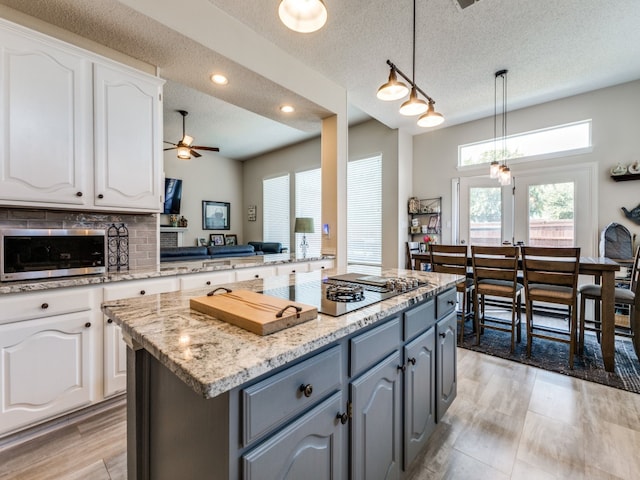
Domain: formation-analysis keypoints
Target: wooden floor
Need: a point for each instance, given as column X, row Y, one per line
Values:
column 509, row 421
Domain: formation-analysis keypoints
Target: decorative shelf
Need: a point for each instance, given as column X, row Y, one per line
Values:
column 626, row 176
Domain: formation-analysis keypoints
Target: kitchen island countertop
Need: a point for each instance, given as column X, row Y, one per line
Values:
column 213, row 357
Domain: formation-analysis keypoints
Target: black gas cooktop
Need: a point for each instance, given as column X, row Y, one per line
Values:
column 342, row 294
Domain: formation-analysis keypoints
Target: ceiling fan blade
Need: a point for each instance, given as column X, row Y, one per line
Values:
column 211, row 149
column 170, row 143
column 194, row 153
column 170, row 148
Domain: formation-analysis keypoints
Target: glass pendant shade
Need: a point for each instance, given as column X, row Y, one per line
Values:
column 494, row 169
column 187, row 140
column 184, row 153
column 505, row 176
column 413, row 106
column 393, row 89
column 431, row 118
column 304, row 16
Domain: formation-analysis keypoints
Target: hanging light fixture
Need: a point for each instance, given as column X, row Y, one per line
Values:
column 304, row 16
column 395, row 90
column 499, row 169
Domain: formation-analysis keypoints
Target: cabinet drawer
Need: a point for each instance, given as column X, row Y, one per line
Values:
column 320, row 265
column 372, row 346
column 276, row 399
column 292, row 268
column 253, row 273
column 419, row 319
column 446, row 302
column 205, row 280
column 139, row 287
column 25, row 306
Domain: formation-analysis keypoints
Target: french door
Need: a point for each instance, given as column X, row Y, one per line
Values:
column 543, row 207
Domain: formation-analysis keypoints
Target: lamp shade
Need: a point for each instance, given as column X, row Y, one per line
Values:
column 413, row 106
column 304, row 225
column 184, row 153
column 304, row 16
column 393, row 89
column 431, row 118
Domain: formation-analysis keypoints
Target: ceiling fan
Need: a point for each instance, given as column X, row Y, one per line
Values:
column 185, row 149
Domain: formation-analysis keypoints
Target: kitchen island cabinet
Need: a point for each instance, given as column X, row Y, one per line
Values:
column 208, row 399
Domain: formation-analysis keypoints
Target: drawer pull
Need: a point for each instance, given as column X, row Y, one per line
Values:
column 44, row 306
column 109, row 321
column 208, row 282
column 343, row 417
column 256, row 276
column 142, row 292
column 88, row 324
column 100, row 196
column 443, row 335
column 451, row 302
column 306, row 389
column 78, row 194
column 402, row 367
column 412, row 361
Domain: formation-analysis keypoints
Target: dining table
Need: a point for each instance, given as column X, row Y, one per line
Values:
column 603, row 269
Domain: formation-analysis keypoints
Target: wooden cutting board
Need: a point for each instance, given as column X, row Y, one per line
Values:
column 256, row 312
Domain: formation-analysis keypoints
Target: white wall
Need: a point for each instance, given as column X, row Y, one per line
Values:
column 210, row 177
column 616, row 132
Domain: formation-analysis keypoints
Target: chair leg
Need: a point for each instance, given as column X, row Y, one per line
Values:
column 462, row 320
column 513, row 326
column 519, row 310
column 582, row 322
column 573, row 318
column 476, row 317
column 529, row 307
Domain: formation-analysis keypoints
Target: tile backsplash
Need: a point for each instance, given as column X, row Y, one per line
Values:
column 143, row 228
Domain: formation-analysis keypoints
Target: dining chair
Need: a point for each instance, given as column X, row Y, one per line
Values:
column 551, row 276
column 495, row 274
column 623, row 296
column 411, row 248
column 453, row 259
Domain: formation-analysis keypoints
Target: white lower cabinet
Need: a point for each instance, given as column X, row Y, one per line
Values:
column 205, row 280
column 254, row 273
column 47, row 367
column 320, row 265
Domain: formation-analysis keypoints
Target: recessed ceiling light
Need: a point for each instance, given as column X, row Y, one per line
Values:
column 219, row 79
column 287, row 109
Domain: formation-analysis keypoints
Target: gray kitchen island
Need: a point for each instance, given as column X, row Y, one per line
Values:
column 354, row 393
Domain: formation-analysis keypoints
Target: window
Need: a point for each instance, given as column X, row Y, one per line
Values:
column 563, row 139
column 364, row 211
column 275, row 213
column 309, row 204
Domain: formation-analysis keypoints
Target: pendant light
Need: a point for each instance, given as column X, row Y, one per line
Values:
column 304, row 16
column 500, row 170
column 395, row 90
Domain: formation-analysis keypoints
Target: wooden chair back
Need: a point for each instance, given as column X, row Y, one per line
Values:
column 449, row 259
column 551, row 274
column 411, row 248
column 635, row 271
column 492, row 265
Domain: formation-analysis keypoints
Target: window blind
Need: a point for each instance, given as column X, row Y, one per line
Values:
column 309, row 204
column 275, row 213
column 364, row 211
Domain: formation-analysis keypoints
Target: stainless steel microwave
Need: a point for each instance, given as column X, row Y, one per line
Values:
column 27, row 254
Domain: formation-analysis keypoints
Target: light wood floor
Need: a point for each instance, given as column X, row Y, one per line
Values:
column 510, row 421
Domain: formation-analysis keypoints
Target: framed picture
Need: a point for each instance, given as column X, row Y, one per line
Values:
column 215, row 215
column 433, row 222
column 251, row 213
column 231, row 239
column 216, row 239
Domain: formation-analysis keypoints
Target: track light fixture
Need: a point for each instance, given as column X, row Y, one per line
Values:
column 395, row 90
column 304, row 16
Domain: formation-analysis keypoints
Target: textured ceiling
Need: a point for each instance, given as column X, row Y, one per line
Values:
column 552, row 49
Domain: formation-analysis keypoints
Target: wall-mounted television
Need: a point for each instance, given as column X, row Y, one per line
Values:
column 172, row 195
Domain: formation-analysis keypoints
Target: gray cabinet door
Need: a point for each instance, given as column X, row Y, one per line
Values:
column 375, row 422
column 419, row 394
column 447, row 379
column 311, row 447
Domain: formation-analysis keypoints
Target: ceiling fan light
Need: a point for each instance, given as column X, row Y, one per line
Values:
column 304, row 16
column 393, row 89
column 187, row 140
column 431, row 118
column 184, row 153
column 413, row 106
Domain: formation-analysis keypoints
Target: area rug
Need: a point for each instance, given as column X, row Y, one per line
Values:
column 554, row 356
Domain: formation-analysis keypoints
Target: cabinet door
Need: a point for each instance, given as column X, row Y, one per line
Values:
column 46, row 367
column 310, row 447
column 45, row 126
column 447, row 377
column 128, row 147
column 375, row 422
column 419, row 394
column 115, row 359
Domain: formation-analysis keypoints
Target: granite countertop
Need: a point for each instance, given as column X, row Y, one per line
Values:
column 167, row 269
column 212, row 356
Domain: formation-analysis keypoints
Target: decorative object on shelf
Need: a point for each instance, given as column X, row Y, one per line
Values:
column 500, row 169
column 173, row 220
column 633, row 215
column 304, row 225
column 395, row 90
column 118, row 247
column 427, row 239
column 215, row 215
column 231, row 239
column 183, row 222
column 216, row 239
column 634, row 168
column 415, row 222
column 304, row 16
column 415, row 229
column 619, row 169
column 251, row 213
column 425, row 228
column 201, row 242
column 414, row 205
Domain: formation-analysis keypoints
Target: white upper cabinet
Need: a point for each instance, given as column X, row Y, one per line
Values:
column 45, row 122
column 128, row 153
column 78, row 130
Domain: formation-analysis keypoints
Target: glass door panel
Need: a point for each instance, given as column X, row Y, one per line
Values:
column 551, row 215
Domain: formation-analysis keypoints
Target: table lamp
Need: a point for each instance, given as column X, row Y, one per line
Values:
column 304, row 225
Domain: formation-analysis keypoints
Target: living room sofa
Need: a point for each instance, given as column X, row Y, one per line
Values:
column 186, row 254
column 266, row 247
